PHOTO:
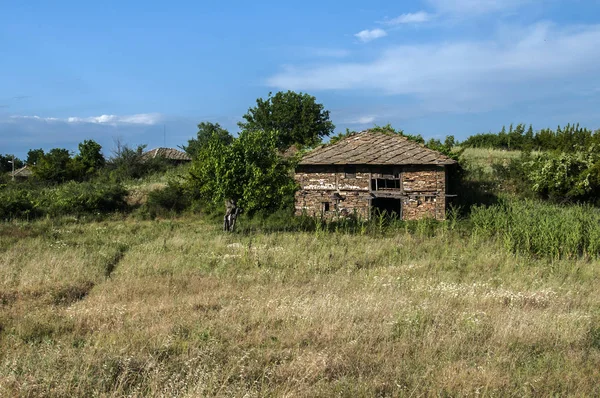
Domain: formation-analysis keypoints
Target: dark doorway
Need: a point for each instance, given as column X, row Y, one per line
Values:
column 391, row 207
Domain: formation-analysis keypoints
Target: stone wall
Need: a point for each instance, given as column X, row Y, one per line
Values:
column 311, row 203
column 415, row 208
column 422, row 190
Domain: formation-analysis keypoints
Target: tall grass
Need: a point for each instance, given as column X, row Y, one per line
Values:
column 178, row 308
column 541, row 229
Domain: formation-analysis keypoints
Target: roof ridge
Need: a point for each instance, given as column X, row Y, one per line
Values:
column 359, row 148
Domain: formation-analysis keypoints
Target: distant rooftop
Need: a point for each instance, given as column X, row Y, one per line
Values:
column 375, row 148
column 167, row 153
column 23, row 172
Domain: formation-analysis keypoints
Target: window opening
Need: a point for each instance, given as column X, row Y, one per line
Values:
column 350, row 171
column 380, row 184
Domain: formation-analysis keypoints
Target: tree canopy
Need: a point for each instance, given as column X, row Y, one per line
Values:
column 297, row 117
column 249, row 170
column 569, row 138
column 89, row 161
column 33, row 156
column 206, row 131
column 6, row 165
column 54, row 166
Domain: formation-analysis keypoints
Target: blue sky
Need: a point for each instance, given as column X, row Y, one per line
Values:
column 74, row 70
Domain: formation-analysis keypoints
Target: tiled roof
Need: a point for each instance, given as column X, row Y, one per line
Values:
column 375, row 148
column 24, row 171
column 167, row 153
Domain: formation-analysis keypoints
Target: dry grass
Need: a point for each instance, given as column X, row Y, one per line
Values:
column 176, row 308
column 485, row 157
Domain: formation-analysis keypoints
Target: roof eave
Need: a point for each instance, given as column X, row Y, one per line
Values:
column 444, row 163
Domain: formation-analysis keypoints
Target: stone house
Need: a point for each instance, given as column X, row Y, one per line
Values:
column 373, row 171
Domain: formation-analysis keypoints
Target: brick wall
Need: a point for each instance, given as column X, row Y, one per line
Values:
column 422, row 189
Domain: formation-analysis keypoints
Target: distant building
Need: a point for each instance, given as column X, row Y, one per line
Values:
column 173, row 155
column 22, row 174
column 373, row 171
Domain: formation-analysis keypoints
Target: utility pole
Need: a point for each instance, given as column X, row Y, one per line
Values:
column 13, row 167
column 164, row 135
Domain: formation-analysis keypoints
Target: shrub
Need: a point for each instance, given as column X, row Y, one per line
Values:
column 170, row 200
column 128, row 163
column 18, row 203
column 81, row 198
column 71, row 198
column 566, row 176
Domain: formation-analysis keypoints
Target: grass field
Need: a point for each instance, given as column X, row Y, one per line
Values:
column 485, row 158
column 177, row 308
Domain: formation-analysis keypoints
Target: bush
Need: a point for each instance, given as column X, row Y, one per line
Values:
column 80, row 198
column 18, row 203
column 167, row 201
column 566, row 176
column 71, row 198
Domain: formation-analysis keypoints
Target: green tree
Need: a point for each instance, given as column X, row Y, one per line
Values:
column 249, row 171
column 297, row 117
column 127, row 162
column 206, row 130
column 89, row 161
column 54, row 166
column 6, row 165
column 33, row 156
column 450, row 142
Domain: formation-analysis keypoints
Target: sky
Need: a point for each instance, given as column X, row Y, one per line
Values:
column 147, row 72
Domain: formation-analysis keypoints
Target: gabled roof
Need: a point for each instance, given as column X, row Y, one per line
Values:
column 167, row 153
column 375, row 148
column 24, row 172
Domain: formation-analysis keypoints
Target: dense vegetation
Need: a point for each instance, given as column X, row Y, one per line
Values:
column 6, row 163
column 522, row 138
column 71, row 198
column 249, row 170
column 297, row 117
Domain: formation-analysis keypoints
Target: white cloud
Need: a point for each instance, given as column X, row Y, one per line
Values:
column 410, row 18
column 368, row 35
column 368, row 119
column 46, row 119
column 471, row 7
column 452, row 74
column 113, row 120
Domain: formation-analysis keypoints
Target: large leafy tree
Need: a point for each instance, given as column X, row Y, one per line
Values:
column 33, row 156
column 54, row 166
column 249, row 171
column 207, row 131
column 89, row 160
column 297, row 117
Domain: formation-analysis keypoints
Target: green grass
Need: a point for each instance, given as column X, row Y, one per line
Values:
column 541, row 229
column 140, row 188
column 485, row 158
column 177, row 308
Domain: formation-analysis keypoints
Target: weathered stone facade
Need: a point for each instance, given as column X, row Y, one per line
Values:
column 332, row 191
